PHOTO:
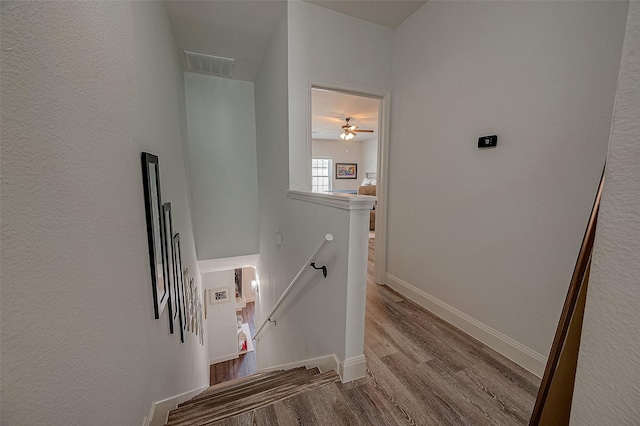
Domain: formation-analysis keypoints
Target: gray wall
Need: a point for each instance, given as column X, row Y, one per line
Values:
column 607, row 380
column 87, row 86
column 222, row 165
column 495, row 233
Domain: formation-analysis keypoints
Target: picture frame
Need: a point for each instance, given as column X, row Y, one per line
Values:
column 169, row 265
column 220, row 295
column 182, row 307
column 153, row 213
column 346, row 170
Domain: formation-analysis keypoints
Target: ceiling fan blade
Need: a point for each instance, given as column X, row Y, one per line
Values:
column 364, row 131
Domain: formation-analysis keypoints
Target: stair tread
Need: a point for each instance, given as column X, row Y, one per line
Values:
column 229, row 384
column 238, row 393
column 211, row 411
column 240, row 387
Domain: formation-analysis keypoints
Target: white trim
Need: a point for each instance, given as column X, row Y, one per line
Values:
column 384, row 120
column 160, row 409
column 341, row 201
column 226, row 263
column 323, row 363
column 515, row 351
column 352, row 368
column 380, row 255
column 223, row 358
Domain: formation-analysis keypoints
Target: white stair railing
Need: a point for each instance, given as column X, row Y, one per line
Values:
column 327, row 238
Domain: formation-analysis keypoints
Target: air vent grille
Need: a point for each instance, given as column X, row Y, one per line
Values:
column 208, row 64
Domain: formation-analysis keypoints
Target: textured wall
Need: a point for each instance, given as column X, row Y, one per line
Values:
column 87, row 86
column 495, row 233
column 607, row 390
column 316, row 37
column 222, row 165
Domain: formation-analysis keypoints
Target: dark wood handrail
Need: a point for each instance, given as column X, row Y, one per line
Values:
column 569, row 306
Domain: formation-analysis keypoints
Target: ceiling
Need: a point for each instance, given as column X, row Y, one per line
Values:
column 242, row 29
column 329, row 110
column 389, row 13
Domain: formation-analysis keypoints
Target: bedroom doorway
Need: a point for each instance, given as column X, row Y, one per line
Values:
column 348, row 134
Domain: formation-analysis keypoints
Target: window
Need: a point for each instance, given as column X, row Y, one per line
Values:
column 321, row 174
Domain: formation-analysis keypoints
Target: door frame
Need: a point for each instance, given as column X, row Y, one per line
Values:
column 384, row 113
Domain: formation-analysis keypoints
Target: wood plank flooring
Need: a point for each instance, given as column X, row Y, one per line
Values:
column 420, row 371
column 244, row 365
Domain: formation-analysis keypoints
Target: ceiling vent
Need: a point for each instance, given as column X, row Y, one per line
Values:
column 208, row 64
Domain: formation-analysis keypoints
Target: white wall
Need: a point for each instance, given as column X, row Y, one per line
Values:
column 315, row 35
column 316, row 316
column 369, row 158
column 340, row 152
column 87, row 86
column 222, row 162
column 495, row 233
column 606, row 389
column 222, row 329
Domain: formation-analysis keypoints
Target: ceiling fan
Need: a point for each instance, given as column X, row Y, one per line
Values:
column 349, row 131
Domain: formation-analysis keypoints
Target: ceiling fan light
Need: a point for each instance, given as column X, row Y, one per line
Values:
column 343, row 135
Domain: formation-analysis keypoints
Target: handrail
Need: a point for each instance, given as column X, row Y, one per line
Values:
column 327, row 238
column 580, row 271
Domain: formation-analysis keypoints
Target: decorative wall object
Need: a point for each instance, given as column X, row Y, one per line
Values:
column 193, row 307
column 179, row 285
column 169, row 264
column 153, row 210
column 187, row 297
column 199, row 320
column 346, row 170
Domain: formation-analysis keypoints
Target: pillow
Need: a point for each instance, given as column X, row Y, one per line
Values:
column 367, row 181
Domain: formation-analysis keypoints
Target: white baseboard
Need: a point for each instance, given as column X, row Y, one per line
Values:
column 323, row 363
column 515, row 351
column 352, row 368
column 160, row 409
column 223, row 358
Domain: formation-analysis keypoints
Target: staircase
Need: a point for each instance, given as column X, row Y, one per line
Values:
column 233, row 398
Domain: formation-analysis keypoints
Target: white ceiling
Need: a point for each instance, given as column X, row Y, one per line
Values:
column 329, row 110
column 242, row 29
column 388, row 13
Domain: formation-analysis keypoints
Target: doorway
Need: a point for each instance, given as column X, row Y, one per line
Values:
column 230, row 310
column 348, row 150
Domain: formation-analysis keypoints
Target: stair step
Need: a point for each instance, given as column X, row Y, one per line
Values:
column 219, row 388
column 237, row 394
column 234, row 402
column 242, row 388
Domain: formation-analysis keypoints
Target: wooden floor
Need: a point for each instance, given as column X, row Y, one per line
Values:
column 421, row 371
column 245, row 365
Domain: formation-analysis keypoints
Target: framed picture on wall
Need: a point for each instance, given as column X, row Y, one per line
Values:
column 346, row 171
column 220, row 295
column 169, row 265
column 153, row 210
column 182, row 310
